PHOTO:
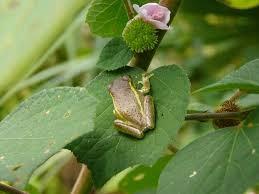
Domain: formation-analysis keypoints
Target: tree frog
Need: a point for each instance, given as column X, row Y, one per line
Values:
column 133, row 109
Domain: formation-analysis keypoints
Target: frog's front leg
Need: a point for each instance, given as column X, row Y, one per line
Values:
column 128, row 129
column 149, row 112
column 145, row 82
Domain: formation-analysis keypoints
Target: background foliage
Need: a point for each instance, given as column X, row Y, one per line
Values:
column 209, row 40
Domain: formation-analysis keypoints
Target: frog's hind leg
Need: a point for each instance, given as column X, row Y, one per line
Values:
column 128, row 129
column 149, row 112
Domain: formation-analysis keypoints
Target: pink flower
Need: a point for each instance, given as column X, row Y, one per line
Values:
column 154, row 14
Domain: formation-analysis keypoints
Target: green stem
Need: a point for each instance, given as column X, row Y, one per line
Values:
column 9, row 189
column 143, row 60
column 129, row 9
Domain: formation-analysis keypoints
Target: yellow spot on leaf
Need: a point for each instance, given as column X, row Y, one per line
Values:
column 67, row 114
column 194, row 173
column 250, row 125
column 139, row 177
column 46, row 151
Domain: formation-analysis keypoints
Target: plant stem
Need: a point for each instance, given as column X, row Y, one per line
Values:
column 144, row 59
column 9, row 189
column 129, row 9
column 222, row 115
column 82, row 183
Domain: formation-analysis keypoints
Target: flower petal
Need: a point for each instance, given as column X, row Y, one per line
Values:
column 155, row 14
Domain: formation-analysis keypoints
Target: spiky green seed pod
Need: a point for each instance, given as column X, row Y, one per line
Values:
column 140, row 36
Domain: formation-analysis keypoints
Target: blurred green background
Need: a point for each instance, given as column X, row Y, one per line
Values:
column 46, row 43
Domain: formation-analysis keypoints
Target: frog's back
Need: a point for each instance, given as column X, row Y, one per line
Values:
column 125, row 100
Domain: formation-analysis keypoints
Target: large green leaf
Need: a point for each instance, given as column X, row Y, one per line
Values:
column 108, row 17
column 245, row 78
column 114, row 55
column 28, row 30
column 143, row 178
column 106, row 151
column 223, row 162
column 40, row 127
column 241, row 4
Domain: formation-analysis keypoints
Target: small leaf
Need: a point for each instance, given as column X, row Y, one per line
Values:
column 40, row 127
column 241, row 4
column 108, row 18
column 106, row 151
column 245, row 78
column 114, row 55
column 225, row 161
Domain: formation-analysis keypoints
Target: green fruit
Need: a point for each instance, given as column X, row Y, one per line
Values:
column 140, row 36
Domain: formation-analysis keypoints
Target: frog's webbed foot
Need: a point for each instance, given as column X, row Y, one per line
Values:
column 128, row 129
column 145, row 82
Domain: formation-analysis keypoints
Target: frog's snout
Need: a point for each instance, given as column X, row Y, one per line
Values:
column 126, row 78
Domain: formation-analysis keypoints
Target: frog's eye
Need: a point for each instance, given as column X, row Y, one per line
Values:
column 109, row 87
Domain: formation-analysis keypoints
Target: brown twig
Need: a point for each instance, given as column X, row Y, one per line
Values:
column 129, row 9
column 144, row 59
column 11, row 190
column 222, row 115
column 82, row 182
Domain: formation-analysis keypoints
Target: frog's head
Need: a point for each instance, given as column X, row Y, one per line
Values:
column 119, row 84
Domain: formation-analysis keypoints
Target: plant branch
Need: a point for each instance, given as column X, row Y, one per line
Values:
column 222, row 115
column 9, row 189
column 82, row 182
column 129, row 9
column 144, row 59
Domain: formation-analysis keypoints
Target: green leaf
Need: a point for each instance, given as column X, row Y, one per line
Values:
column 143, row 177
column 114, row 55
column 40, row 127
column 106, row 151
column 245, row 78
column 196, row 107
column 30, row 30
column 241, row 4
column 248, row 102
column 108, row 17
column 225, row 161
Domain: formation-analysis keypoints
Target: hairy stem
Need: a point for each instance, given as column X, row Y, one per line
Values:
column 11, row 190
column 129, row 9
column 82, row 183
column 222, row 115
column 143, row 60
